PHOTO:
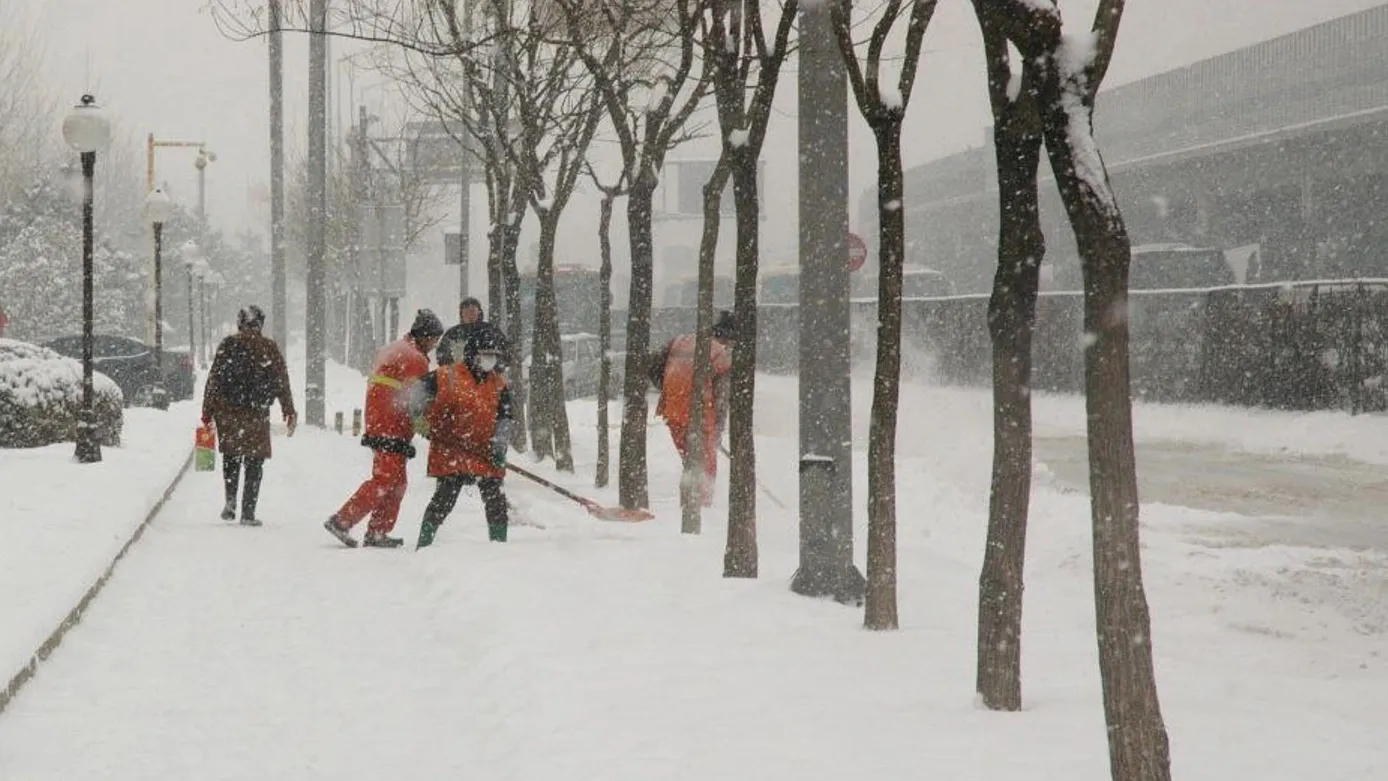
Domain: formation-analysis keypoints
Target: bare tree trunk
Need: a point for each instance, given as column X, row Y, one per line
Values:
column 884, row 116
column 691, row 495
column 632, row 484
column 1138, row 744
column 880, row 611
column 546, row 369
column 740, row 554
column 1139, row 748
column 1011, row 320
column 510, row 240
column 496, row 285
column 605, row 336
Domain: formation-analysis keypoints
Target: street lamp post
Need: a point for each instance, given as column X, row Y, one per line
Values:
column 86, row 130
column 200, row 162
column 159, row 209
column 204, row 271
column 205, row 156
column 190, row 253
column 215, row 281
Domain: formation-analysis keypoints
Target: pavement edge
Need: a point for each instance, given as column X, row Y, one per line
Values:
column 74, row 616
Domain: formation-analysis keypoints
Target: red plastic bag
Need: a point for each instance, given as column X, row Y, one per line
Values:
column 205, row 449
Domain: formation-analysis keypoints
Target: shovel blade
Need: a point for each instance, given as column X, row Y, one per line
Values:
column 619, row 514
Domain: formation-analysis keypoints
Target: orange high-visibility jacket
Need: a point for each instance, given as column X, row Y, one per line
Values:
column 677, row 386
column 462, row 419
column 398, row 365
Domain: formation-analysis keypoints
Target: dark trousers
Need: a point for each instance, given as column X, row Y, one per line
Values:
column 446, row 496
column 231, row 477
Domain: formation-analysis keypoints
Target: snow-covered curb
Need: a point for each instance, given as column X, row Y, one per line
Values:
column 61, row 535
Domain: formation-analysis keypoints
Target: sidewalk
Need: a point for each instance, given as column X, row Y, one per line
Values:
column 63, row 522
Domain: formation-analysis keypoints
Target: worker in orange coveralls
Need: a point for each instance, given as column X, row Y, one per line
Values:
column 677, row 391
column 390, row 430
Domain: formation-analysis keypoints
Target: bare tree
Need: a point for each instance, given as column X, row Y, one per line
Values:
column 523, row 104
column 1011, row 321
column 26, row 113
column 746, row 63
column 1069, row 72
column 883, row 106
column 405, row 24
column 691, row 499
column 610, row 194
column 558, row 111
column 649, row 95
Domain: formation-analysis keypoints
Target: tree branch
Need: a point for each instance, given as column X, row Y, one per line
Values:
column 1107, row 18
column 922, row 11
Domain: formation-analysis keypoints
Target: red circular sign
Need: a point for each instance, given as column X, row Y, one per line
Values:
column 857, row 252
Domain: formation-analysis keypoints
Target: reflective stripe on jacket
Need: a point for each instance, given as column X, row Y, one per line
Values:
column 398, row 365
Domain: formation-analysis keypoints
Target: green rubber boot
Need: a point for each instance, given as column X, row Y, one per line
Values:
column 427, row 530
column 496, row 532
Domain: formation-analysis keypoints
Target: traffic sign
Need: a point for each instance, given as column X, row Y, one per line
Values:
column 857, row 252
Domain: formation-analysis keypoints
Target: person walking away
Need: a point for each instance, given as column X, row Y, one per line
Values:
column 468, row 408
column 677, row 395
column 248, row 374
column 472, row 319
column 390, row 430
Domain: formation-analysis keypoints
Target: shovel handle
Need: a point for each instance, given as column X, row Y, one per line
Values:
column 555, row 487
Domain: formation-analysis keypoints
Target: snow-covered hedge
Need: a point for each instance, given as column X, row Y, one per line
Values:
column 41, row 394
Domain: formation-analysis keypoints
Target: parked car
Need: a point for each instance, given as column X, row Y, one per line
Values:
column 582, row 366
column 132, row 365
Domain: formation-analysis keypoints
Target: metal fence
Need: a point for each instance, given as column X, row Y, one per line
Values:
column 1313, row 345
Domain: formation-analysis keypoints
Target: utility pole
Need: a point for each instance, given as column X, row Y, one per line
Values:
column 359, row 339
column 316, row 310
column 826, row 425
column 279, row 316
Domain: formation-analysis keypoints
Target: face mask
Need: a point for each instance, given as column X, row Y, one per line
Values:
column 486, row 362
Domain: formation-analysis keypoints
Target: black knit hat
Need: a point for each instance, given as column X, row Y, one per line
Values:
column 426, row 325
column 250, row 317
column 725, row 327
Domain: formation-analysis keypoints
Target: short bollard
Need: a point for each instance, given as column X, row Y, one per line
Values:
column 337, row 422
column 356, row 422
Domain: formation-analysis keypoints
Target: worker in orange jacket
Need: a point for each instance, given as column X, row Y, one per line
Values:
column 677, row 392
column 390, row 429
column 469, row 410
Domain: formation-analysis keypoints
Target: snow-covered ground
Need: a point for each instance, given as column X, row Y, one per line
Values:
column 62, row 522
column 591, row 650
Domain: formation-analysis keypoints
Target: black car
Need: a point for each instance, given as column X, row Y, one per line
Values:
column 130, row 363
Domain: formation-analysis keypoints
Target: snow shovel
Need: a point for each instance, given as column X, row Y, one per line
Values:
column 594, row 509
column 760, row 484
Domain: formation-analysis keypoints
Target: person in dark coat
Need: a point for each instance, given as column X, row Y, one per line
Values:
column 472, row 319
column 248, row 374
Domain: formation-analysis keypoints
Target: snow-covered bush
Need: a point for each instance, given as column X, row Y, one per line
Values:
column 41, row 395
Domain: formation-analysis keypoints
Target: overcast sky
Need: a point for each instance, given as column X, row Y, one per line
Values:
column 161, row 66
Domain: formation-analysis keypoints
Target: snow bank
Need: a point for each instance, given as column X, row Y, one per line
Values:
column 41, row 395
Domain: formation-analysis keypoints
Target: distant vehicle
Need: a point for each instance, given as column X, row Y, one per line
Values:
column 578, row 298
column 685, row 293
column 1167, row 266
column 131, row 364
column 581, row 364
column 779, row 285
column 916, row 282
